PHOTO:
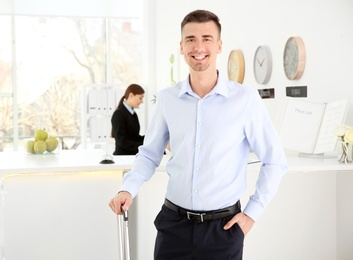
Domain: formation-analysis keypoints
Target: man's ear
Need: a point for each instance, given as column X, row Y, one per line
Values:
column 181, row 48
column 219, row 46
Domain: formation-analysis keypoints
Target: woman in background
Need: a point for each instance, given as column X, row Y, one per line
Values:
column 125, row 123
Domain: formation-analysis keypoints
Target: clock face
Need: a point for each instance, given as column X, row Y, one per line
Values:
column 262, row 64
column 294, row 58
column 236, row 66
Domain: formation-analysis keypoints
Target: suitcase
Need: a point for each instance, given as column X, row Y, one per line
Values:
column 123, row 235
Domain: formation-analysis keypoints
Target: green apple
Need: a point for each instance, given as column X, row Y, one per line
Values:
column 52, row 143
column 30, row 146
column 40, row 135
column 40, row 147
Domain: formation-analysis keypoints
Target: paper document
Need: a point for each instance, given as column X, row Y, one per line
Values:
column 308, row 127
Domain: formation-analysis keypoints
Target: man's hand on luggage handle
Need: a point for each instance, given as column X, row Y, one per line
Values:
column 122, row 198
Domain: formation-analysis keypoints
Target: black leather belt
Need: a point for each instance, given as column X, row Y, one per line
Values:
column 199, row 216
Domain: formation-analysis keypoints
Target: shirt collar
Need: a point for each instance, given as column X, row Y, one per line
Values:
column 131, row 110
column 221, row 87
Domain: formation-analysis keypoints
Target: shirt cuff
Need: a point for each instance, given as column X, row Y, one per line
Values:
column 253, row 210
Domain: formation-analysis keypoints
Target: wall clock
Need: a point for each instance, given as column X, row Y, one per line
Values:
column 294, row 56
column 236, row 66
column 262, row 64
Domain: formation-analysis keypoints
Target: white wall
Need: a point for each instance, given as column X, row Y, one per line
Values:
column 325, row 27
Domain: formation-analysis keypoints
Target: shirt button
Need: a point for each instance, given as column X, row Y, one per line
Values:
column 199, row 146
column 195, row 190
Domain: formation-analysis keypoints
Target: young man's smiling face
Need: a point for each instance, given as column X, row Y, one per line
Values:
column 200, row 45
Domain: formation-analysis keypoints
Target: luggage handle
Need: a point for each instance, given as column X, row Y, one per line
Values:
column 123, row 235
column 125, row 214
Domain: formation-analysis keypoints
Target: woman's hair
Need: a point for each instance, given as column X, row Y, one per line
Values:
column 135, row 89
column 201, row 16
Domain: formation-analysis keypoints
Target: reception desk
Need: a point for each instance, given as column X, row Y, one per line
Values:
column 310, row 217
column 56, row 207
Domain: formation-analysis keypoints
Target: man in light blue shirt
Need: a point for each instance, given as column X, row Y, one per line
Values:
column 211, row 125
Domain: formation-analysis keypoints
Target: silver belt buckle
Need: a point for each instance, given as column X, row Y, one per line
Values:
column 190, row 215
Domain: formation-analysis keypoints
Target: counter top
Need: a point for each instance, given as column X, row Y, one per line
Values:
column 88, row 160
column 328, row 162
column 65, row 161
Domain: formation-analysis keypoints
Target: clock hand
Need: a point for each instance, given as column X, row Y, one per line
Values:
column 262, row 62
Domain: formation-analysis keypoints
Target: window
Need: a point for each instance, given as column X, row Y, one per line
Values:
column 54, row 58
column 6, row 85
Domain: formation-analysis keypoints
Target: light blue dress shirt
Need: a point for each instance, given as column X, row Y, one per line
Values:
column 210, row 139
column 128, row 108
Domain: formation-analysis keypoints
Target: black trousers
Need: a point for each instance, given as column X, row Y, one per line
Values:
column 179, row 238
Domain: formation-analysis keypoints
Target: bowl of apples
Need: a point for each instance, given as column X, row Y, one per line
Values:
column 42, row 143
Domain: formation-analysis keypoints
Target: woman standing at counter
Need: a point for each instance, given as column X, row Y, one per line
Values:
column 125, row 123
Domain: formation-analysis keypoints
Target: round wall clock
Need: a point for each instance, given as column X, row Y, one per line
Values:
column 236, row 66
column 294, row 58
column 262, row 64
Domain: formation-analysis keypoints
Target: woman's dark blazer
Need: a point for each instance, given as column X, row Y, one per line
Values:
column 126, row 131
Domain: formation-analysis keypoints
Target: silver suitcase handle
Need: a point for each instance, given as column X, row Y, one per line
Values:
column 123, row 235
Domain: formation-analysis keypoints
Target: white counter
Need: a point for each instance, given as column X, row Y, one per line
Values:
column 310, row 216
column 56, row 207
column 83, row 160
column 65, row 161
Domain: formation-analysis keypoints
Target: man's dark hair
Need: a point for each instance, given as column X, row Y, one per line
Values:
column 201, row 16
